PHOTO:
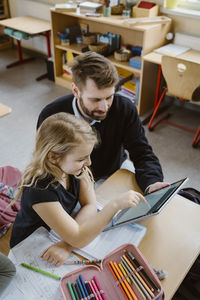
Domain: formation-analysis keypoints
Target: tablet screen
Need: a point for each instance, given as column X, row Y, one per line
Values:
column 154, row 202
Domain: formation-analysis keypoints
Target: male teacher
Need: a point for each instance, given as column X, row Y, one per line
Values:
column 114, row 118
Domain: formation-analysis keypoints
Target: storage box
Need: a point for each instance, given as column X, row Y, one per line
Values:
column 138, row 12
column 111, row 288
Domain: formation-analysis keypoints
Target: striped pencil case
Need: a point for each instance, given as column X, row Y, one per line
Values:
column 123, row 274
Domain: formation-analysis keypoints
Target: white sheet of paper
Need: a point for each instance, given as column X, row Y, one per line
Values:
column 28, row 284
column 109, row 240
column 33, row 285
column 172, row 49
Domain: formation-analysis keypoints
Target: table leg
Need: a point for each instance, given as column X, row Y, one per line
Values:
column 47, row 35
column 21, row 60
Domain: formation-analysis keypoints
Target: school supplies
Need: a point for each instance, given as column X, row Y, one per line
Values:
column 82, row 262
column 40, row 271
column 109, row 282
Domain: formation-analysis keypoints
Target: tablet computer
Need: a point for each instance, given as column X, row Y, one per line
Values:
column 155, row 202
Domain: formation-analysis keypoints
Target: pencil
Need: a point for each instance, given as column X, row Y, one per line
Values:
column 139, row 277
column 126, row 282
column 122, row 282
column 143, row 271
column 40, row 271
column 124, row 272
column 71, row 291
column 82, row 262
column 132, row 279
column 120, row 286
column 136, row 279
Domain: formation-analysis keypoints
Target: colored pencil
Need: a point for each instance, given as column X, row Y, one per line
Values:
column 78, row 290
column 139, row 277
column 96, row 290
column 144, row 272
column 83, row 285
column 82, row 262
column 71, row 291
column 99, row 288
column 126, row 283
column 124, row 273
column 122, row 282
column 40, row 271
column 93, row 290
column 81, row 289
column 91, row 295
column 136, row 279
column 133, row 280
column 115, row 277
column 75, row 291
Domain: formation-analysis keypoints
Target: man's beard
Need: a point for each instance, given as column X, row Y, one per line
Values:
column 91, row 114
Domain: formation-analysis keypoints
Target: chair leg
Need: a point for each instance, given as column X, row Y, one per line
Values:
column 150, row 126
column 196, row 138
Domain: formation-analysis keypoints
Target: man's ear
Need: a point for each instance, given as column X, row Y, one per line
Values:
column 75, row 91
column 53, row 157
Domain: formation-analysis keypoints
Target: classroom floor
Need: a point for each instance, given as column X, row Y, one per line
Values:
column 26, row 97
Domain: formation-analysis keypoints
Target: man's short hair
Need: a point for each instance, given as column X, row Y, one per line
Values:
column 96, row 67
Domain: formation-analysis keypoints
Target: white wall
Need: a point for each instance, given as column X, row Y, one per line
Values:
column 34, row 9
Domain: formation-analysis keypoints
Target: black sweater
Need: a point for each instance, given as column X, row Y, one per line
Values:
column 121, row 129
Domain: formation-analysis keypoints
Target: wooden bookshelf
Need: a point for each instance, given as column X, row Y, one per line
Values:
column 5, row 41
column 149, row 37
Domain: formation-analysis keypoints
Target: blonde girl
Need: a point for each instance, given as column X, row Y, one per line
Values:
column 55, row 180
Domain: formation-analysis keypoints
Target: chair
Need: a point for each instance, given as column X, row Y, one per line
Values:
column 183, row 81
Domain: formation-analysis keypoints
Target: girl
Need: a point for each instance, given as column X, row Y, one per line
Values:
column 55, row 180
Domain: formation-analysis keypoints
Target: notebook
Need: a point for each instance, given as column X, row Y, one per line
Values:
column 155, row 202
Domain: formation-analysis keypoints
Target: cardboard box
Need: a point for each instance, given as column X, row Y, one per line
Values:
column 138, row 12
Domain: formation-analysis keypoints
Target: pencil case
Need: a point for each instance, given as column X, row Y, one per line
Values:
column 109, row 285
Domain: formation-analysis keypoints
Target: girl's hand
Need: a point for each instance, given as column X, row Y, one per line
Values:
column 57, row 253
column 128, row 199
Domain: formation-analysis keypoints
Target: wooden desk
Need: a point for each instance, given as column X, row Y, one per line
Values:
column 172, row 241
column 32, row 26
column 149, row 77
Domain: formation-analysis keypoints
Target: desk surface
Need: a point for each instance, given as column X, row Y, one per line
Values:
column 4, row 110
column 191, row 55
column 172, row 241
column 27, row 24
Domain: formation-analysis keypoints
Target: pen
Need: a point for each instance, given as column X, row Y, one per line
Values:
column 40, row 271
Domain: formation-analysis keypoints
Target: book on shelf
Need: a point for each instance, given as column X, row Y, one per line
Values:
column 68, row 7
column 88, row 6
column 129, row 89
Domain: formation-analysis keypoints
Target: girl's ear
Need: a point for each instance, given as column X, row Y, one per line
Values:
column 53, row 157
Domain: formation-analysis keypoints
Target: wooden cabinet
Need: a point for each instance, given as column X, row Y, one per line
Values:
column 148, row 37
column 5, row 41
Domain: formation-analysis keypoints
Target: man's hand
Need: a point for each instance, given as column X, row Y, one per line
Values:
column 57, row 253
column 156, row 186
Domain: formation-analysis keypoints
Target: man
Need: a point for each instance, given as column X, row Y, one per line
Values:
column 114, row 117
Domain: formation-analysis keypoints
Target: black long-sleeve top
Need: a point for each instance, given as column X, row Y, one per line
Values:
column 122, row 129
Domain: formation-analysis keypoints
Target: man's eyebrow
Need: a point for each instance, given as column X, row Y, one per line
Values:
column 95, row 98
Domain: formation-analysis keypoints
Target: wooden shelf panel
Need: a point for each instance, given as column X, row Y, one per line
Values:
column 75, row 48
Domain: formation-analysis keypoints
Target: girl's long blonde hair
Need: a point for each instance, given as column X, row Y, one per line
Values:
column 59, row 134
